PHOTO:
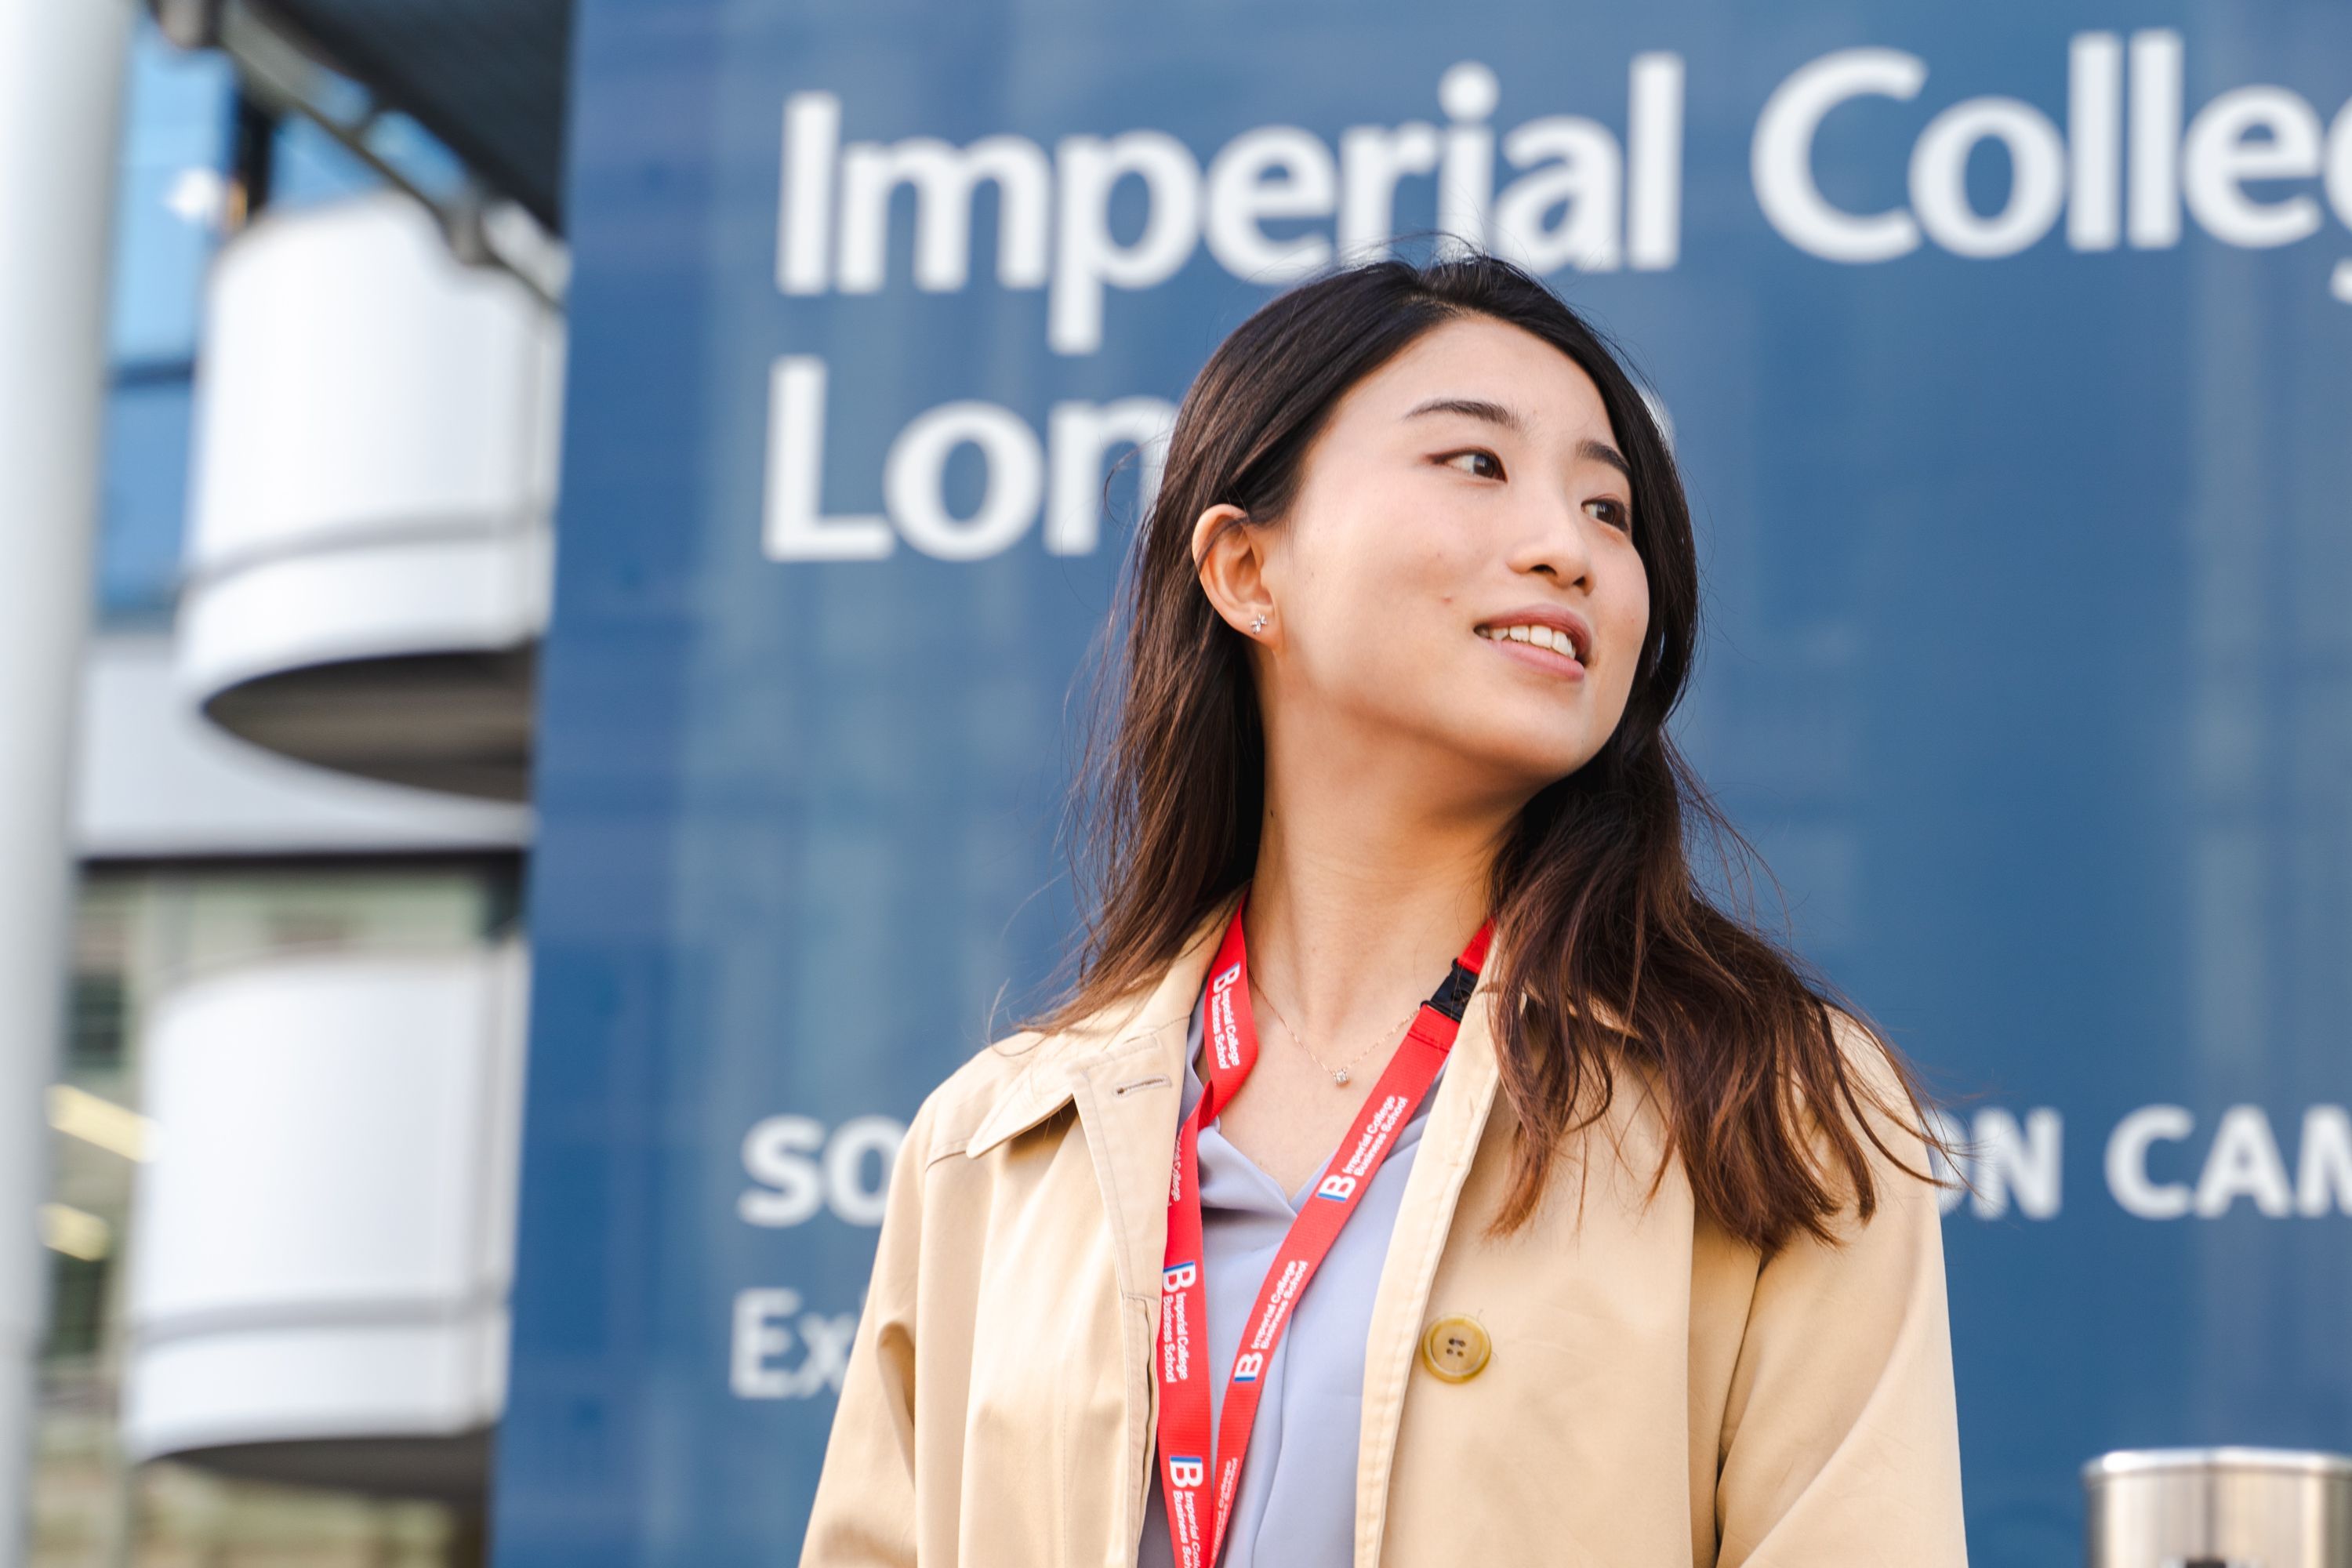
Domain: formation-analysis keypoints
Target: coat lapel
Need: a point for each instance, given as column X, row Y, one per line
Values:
column 1128, row 1098
column 1128, row 1095
column 1122, row 1072
column 1127, row 1103
column 1457, row 1119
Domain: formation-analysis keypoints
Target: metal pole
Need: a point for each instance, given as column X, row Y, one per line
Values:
column 61, row 68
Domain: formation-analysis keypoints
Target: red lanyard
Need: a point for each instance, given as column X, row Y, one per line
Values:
column 1185, row 1456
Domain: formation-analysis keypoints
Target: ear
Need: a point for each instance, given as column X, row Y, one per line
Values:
column 1233, row 570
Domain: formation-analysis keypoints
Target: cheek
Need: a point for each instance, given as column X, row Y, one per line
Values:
column 1629, row 606
column 1379, row 587
column 1620, row 617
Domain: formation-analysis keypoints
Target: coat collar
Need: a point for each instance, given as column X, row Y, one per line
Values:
column 1114, row 1031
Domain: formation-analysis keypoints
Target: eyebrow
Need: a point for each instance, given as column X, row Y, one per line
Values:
column 1509, row 420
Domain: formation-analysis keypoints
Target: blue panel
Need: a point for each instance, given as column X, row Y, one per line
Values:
column 2029, row 667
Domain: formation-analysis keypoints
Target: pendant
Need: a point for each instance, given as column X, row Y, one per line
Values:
column 1340, row 1076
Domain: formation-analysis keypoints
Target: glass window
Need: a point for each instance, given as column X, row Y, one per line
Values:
column 95, row 1043
column 77, row 1306
column 167, row 201
column 308, row 165
column 312, row 166
column 143, row 495
column 168, row 194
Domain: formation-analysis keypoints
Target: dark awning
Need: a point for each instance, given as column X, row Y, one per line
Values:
column 487, row 77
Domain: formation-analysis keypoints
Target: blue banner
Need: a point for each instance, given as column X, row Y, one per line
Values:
column 2004, row 350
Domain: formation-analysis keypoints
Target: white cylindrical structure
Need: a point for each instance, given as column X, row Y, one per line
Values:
column 61, row 70
column 370, row 548
column 323, row 1239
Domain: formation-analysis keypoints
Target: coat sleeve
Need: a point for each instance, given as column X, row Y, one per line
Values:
column 1841, row 1441
column 863, row 1515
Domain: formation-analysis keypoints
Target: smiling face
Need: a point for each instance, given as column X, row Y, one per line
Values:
column 1456, row 574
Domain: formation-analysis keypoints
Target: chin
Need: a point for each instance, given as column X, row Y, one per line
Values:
column 1525, row 769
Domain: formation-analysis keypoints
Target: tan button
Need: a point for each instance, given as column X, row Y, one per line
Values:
column 1455, row 1348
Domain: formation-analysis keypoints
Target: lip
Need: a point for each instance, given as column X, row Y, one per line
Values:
column 1579, row 630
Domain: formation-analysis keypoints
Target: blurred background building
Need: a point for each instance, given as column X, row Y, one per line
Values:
column 342, row 821
column 283, row 1122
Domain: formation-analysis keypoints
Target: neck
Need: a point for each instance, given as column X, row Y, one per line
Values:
column 1365, row 890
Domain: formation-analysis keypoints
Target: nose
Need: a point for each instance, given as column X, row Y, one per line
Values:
column 1553, row 542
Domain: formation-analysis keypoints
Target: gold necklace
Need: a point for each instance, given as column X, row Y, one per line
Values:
column 1340, row 1073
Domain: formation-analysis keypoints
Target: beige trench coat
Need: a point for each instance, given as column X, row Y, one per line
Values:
column 1654, row 1398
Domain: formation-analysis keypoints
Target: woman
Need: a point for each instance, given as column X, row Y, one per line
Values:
column 1640, row 1266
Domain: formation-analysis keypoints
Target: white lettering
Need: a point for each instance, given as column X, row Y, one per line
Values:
column 1465, row 174
column 944, row 181
column 2339, row 164
column 804, row 205
column 1576, row 196
column 2217, row 159
column 2128, row 1176
column 793, row 1186
column 1582, row 199
column 1081, row 436
column 2322, row 1174
column 1240, row 195
column 1781, row 155
column 2153, row 218
column 761, row 1335
column 2095, row 107
column 1277, row 204
column 1940, row 169
column 1653, row 151
column 914, row 477
column 2243, row 1162
column 776, row 1155
column 2013, row 1162
column 1574, row 165
column 1086, row 257
column 1373, row 158
column 854, row 1198
column 793, row 528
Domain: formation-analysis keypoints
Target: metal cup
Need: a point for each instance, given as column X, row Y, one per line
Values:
column 2218, row 1507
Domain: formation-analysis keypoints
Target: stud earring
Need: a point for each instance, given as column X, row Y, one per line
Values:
column 1258, row 625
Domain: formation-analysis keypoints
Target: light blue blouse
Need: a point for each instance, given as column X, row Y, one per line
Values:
column 1298, row 1503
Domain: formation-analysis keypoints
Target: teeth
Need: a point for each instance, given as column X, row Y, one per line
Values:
column 1541, row 637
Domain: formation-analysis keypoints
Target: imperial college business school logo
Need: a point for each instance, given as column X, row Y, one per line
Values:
column 1176, row 1344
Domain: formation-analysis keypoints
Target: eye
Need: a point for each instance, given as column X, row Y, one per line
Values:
column 1494, row 465
column 1617, row 515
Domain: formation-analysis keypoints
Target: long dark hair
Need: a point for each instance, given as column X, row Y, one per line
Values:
column 1594, row 899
